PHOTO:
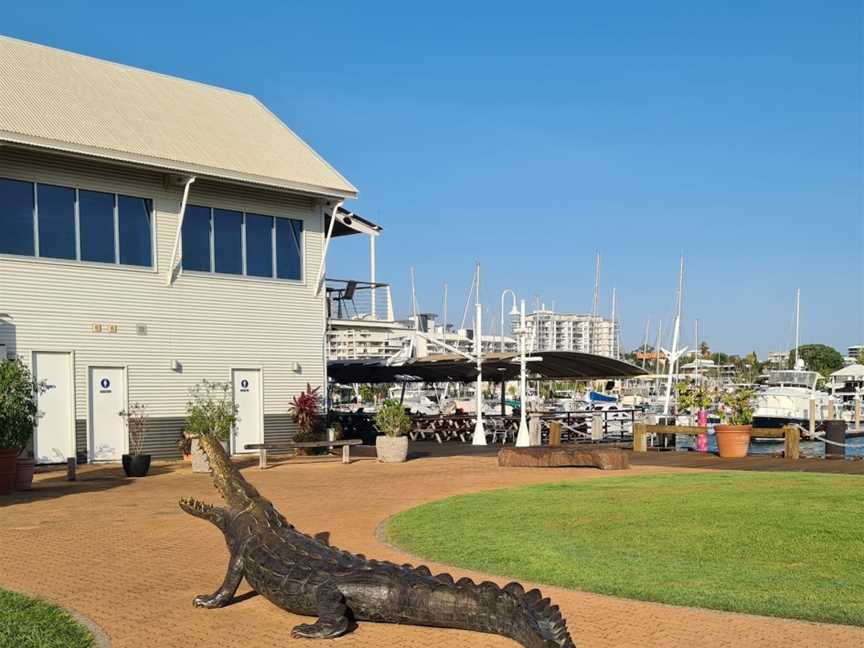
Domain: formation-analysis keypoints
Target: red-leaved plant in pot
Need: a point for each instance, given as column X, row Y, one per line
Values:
column 304, row 412
column 733, row 438
column 18, row 414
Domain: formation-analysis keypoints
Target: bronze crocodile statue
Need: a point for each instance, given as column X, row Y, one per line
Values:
column 304, row 575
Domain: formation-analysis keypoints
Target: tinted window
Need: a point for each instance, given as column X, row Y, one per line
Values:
column 289, row 255
column 259, row 245
column 96, row 224
column 228, row 241
column 16, row 217
column 196, row 238
column 136, row 240
column 56, row 211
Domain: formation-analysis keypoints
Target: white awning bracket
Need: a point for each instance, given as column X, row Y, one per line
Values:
column 320, row 276
column 172, row 268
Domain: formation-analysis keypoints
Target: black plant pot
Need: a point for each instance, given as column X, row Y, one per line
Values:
column 136, row 465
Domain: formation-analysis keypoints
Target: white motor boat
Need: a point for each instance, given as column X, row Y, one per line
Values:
column 786, row 399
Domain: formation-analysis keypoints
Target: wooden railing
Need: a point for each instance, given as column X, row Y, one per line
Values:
column 790, row 435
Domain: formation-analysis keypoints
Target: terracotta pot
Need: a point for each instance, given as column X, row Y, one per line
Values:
column 391, row 449
column 733, row 441
column 8, row 459
column 24, row 469
column 187, row 457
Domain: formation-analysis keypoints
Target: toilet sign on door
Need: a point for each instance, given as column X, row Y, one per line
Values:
column 105, row 384
column 244, row 385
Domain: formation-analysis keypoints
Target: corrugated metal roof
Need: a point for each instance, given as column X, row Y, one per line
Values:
column 74, row 103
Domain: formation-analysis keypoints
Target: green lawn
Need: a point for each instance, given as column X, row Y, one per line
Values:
column 778, row 544
column 31, row 623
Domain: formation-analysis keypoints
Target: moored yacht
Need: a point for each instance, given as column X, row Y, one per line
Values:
column 786, row 399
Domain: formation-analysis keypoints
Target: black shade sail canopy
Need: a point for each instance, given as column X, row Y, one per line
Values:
column 497, row 367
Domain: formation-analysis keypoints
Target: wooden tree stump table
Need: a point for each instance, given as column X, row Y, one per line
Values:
column 564, row 456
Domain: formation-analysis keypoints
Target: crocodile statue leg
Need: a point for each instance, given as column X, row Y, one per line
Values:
column 332, row 616
column 225, row 593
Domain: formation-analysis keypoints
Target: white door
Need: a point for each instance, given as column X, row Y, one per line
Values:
column 107, row 399
column 54, row 441
column 248, row 396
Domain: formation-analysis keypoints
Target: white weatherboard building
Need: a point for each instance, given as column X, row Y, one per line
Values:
column 113, row 293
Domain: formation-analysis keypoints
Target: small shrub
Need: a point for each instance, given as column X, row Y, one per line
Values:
column 693, row 398
column 738, row 407
column 392, row 420
column 18, row 410
column 211, row 410
column 135, row 418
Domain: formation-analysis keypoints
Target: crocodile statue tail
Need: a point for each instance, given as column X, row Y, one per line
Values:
column 525, row 617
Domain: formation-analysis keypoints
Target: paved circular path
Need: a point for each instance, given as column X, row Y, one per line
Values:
column 121, row 552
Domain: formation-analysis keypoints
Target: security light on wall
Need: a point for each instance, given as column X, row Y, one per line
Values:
column 295, row 367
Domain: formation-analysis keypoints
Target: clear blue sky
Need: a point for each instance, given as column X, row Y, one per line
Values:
column 527, row 135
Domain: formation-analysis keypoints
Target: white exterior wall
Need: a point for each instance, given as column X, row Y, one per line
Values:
column 208, row 323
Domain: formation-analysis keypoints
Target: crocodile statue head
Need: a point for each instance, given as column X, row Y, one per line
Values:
column 306, row 576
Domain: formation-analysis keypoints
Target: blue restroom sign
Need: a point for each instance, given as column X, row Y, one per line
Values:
column 244, row 385
column 105, row 384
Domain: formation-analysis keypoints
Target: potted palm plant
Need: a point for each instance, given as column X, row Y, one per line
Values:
column 733, row 438
column 210, row 410
column 18, row 413
column 391, row 419
column 136, row 463
column 304, row 412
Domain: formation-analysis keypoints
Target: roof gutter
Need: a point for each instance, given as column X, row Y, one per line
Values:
column 168, row 166
column 173, row 271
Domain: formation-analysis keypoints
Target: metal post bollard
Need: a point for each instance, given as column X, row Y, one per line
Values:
column 835, row 431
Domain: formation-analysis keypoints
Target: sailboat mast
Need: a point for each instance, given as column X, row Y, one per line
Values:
column 797, row 323
column 614, row 337
column 444, row 330
column 696, row 350
column 645, row 342
column 595, row 304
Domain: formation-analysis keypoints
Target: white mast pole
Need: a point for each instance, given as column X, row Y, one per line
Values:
column 614, row 337
column 595, row 304
column 523, row 439
column 479, row 433
column 696, row 351
column 372, row 276
column 444, row 337
column 675, row 352
column 797, row 323
column 645, row 342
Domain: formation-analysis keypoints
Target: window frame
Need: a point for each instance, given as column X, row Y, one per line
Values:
column 77, row 187
column 244, row 276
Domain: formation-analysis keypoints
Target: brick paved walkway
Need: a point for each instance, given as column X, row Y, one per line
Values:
column 122, row 553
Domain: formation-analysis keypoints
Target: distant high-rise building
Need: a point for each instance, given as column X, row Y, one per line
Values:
column 550, row 331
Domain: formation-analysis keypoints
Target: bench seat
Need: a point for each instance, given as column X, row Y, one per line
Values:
column 263, row 448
